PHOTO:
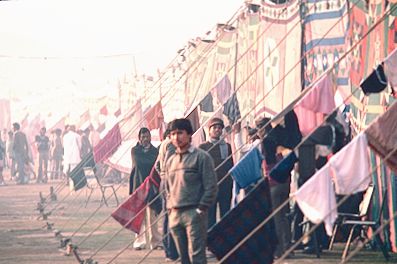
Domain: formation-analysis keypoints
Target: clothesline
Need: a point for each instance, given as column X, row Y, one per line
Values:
column 283, row 204
column 240, row 86
column 257, row 67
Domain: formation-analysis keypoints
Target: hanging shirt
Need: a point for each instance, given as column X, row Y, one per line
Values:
column 316, row 198
column 351, row 167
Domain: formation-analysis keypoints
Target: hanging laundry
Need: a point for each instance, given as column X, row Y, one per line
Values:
column 320, row 98
column 376, row 82
column 248, row 170
column 223, row 90
column 292, row 131
column 103, row 110
column 153, row 199
column 154, row 117
column 194, row 119
column 351, row 167
column 391, row 68
column 277, row 72
column 239, row 222
column 206, row 105
column 382, row 136
column 131, row 213
column 282, row 171
column 108, row 145
column 131, row 122
column 77, row 176
column 317, row 102
column 308, row 120
column 316, row 198
column 231, row 109
column 101, row 128
column 117, row 113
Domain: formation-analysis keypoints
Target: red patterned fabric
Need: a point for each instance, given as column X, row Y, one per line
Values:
column 108, row 145
column 131, row 213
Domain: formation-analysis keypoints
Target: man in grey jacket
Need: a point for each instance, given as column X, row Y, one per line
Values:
column 191, row 186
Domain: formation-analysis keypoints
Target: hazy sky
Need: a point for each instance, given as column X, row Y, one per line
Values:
column 151, row 31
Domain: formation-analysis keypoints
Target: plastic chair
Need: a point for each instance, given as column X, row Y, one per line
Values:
column 94, row 183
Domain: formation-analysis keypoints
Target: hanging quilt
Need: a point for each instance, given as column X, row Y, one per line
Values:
column 279, row 77
column 326, row 26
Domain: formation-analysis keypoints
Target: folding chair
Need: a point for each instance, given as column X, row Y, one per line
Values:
column 362, row 223
column 93, row 183
column 363, row 209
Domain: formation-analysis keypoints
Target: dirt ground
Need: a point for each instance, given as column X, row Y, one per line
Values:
column 26, row 239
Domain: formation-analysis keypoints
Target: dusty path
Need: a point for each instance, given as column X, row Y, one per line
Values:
column 24, row 239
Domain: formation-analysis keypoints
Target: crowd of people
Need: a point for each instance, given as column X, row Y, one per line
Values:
column 51, row 156
column 198, row 190
column 195, row 182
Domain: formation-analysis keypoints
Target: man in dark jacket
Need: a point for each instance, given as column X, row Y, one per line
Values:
column 220, row 151
column 21, row 152
column 143, row 157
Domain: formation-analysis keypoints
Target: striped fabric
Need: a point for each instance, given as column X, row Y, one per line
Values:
column 325, row 41
column 364, row 109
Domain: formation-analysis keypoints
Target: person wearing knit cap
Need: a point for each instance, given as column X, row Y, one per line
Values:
column 220, row 151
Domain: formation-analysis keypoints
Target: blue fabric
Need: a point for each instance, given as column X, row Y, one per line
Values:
column 282, row 171
column 231, row 109
column 239, row 222
column 248, row 170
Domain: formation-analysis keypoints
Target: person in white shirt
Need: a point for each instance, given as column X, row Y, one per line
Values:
column 71, row 145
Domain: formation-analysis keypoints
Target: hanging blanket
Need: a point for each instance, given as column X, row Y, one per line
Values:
column 239, row 222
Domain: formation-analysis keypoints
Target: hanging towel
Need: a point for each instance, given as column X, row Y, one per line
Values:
column 382, row 136
column 316, row 198
column 376, row 82
column 391, row 68
column 351, row 167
